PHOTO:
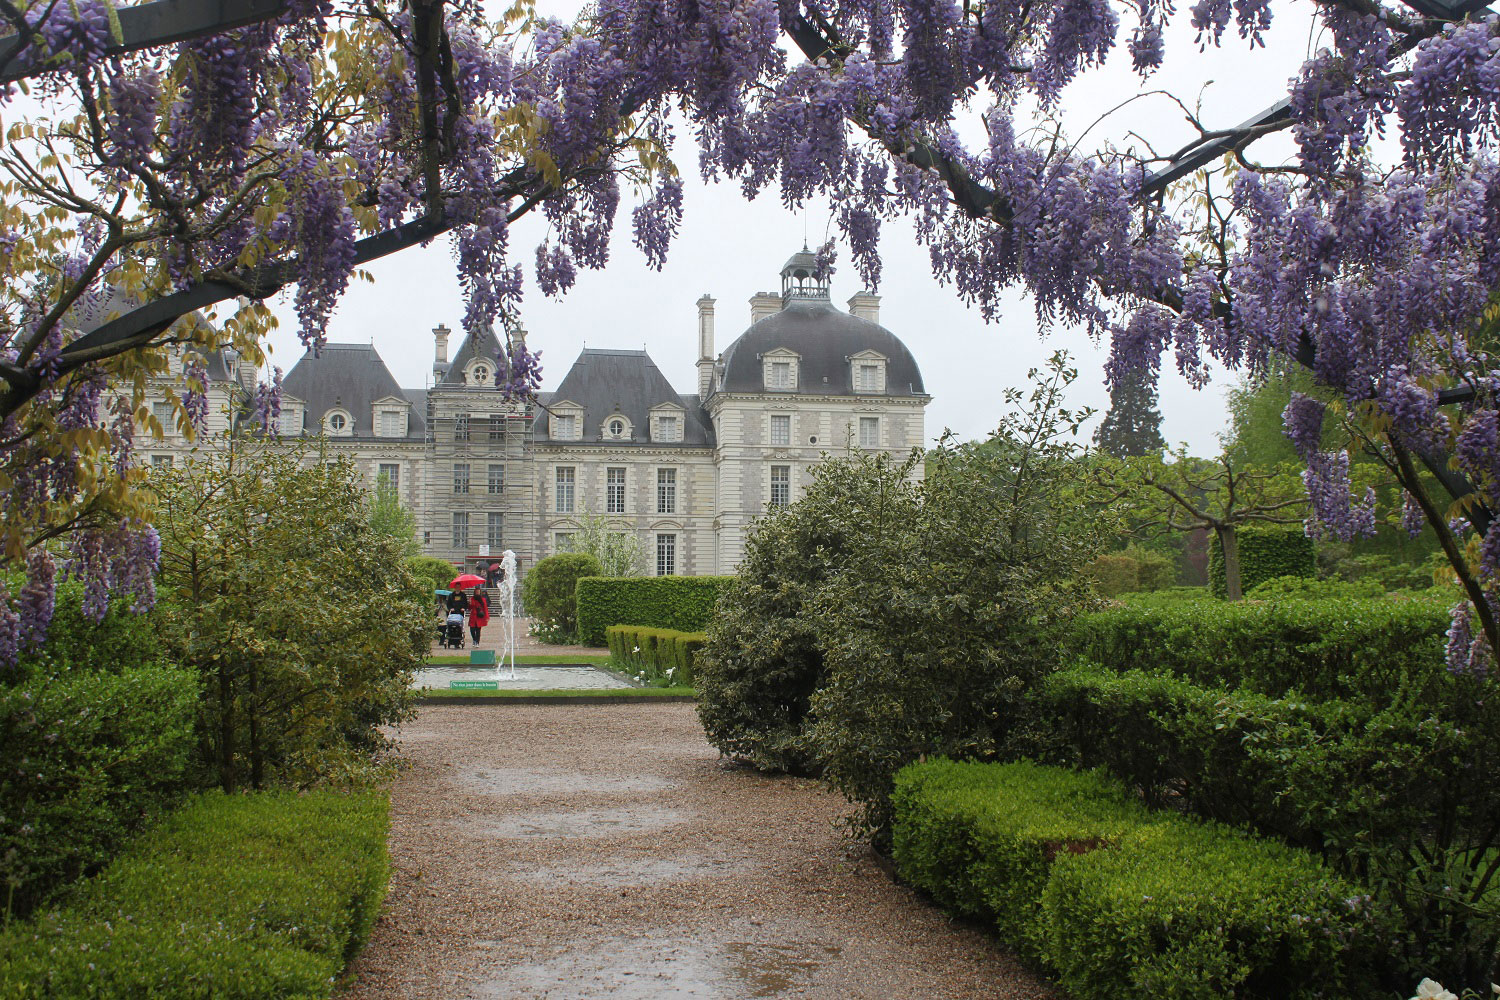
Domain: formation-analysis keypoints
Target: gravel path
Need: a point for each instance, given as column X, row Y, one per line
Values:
column 576, row 852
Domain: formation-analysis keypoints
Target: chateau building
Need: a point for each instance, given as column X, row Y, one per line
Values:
column 687, row 472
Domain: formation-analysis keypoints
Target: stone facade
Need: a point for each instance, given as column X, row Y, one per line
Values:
column 687, row 473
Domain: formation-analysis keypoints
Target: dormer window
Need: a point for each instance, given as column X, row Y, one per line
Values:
column 565, row 427
column 616, row 428
column 668, row 428
column 479, row 373
column 867, row 372
column 338, row 423
column 780, row 372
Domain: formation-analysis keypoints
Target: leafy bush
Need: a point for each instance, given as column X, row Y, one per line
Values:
column 1381, row 790
column 1166, row 596
column 1266, row 551
column 549, row 592
column 437, row 573
column 658, row 655
column 681, row 603
column 1131, row 570
column 90, row 758
column 121, row 640
column 1123, row 902
column 303, row 622
column 1323, row 649
column 982, row 839
column 233, row 898
column 763, row 657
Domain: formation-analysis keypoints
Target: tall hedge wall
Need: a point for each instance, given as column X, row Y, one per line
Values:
column 1266, row 551
column 682, row 603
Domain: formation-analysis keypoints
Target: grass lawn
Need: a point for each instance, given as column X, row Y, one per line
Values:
column 581, row 694
column 587, row 659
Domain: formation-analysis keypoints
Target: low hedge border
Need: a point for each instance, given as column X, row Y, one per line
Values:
column 654, row 654
column 1124, row 902
column 681, row 603
column 248, row 897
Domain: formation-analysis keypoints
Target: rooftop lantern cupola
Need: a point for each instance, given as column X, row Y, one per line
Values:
column 803, row 278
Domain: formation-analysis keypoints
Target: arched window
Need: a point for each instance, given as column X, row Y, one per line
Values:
column 337, row 421
column 616, row 428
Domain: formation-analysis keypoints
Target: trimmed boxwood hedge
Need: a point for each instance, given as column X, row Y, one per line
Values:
column 1338, row 648
column 252, row 897
column 90, row 757
column 1266, row 551
column 681, row 603
column 1123, row 902
column 661, row 654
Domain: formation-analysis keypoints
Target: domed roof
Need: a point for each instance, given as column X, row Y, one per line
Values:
column 825, row 339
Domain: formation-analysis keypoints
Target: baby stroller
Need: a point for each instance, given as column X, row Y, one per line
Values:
column 451, row 632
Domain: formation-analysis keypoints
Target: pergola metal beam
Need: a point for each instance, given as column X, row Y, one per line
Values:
column 161, row 22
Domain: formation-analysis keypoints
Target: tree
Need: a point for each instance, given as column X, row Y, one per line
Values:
column 277, row 146
column 548, row 591
column 302, row 621
column 392, row 519
column 1133, row 424
column 617, row 549
column 1189, row 494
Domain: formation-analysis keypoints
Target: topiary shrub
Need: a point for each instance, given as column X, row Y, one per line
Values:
column 234, row 897
column 1131, row 570
column 1266, row 552
column 549, row 592
column 430, row 570
column 654, row 654
column 680, row 603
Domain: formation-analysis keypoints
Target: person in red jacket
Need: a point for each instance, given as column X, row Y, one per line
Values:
column 479, row 613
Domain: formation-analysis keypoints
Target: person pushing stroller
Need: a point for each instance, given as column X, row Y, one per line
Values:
column 452, row 629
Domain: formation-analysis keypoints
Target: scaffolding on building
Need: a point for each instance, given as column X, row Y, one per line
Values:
column 479, row 494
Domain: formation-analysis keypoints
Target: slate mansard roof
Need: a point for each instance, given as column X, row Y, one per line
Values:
column 606, row 382
column 351, row 377
column 825, row 338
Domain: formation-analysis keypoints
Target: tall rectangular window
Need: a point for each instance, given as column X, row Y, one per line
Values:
column 497, row 427
column 562, row 541
column 614, row 491
column 869, row 432
column 781, row 375
column 492, row 531
column 666, row 491
column 869, row 378
column 388, row 474
column 460, row 477
column 496, row 479
column 566, row 480
column 564, row 427
column 163, row 414
column 668, row 429
column 390, row 424
column 460, row 529
column 161, row 461
column 666, row 555
column 781, row 429
column 781, row 485
column 461, row 427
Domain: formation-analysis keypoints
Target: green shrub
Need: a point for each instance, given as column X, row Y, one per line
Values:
column 1131, row 570
column 1323, row 649
column 681, row 603
column 1166, row 596
column 430, row 570
column 657, row 655
column 981, row 839
column 1191, row 909
column 1382, row 791
column 90, row 757
column 254, row 897
column 549, row 592
column 1281, row 588
column 1123, row 902
column 1266, row 551
column 121, row 640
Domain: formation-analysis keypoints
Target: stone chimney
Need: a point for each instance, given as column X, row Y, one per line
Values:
column 705, row 346
column 516, row 338
column 440, row 344
column 865, row 306
column 763, row 304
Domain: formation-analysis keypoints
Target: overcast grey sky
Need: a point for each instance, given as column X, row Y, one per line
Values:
column 730, row 248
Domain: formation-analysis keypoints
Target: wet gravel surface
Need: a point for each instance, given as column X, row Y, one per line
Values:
column 574, row 852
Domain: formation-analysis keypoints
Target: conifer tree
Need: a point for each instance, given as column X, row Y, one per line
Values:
column 1132, row 427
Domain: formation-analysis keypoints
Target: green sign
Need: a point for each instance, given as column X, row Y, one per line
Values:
column 474, row 685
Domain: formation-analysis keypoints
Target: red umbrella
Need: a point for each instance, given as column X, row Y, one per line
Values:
column 466, row 580
column 494, row 566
